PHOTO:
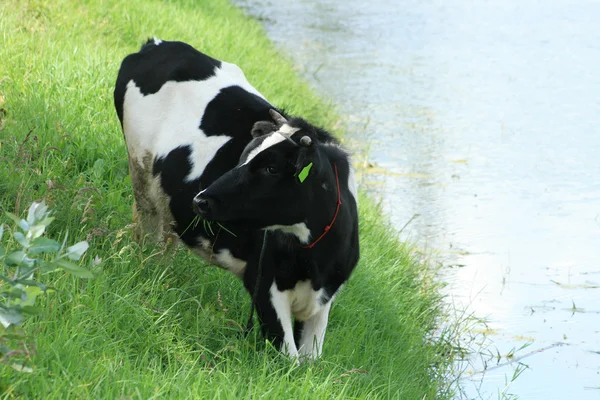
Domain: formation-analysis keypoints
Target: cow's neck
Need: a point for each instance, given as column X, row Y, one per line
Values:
column 320, row 226
column 313, row 233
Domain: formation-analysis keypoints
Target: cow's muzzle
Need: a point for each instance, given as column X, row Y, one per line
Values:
column 202, row 206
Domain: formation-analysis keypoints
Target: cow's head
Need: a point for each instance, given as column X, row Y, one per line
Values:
column 273, row 184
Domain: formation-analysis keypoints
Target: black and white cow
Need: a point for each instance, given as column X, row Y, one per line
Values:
column 202, row 141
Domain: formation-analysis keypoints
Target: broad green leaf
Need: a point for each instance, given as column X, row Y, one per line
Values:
column 30, row 310
column 12, row 216
column 15, row 258
column 27, row 282
column 16, row 293
column 31, row 213
column 10, row 317
column 20, row 238
column 43, row 245
column 36, row 231
column 36, row 212
column 99, row 167
column 31, row 293
column 45, row 222
column 29, row 263
column 2, row 251
column 21, row 368
column 76, row 251
column 47, row 266
column 24, row 225
column 40, row 211
column 73, row 268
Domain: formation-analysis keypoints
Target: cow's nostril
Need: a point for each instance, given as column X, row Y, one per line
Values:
column 201, row 206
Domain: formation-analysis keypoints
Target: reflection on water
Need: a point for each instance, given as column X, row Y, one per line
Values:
column 486, row 117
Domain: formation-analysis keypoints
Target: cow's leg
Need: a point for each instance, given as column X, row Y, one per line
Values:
column 298, row 329
column 313, row 333
column 137, row 226
column 151, row 214
column 275, row 313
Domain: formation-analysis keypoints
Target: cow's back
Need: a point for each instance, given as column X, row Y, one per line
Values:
column 186, row 118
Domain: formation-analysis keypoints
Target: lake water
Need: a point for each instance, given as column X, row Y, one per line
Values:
column 484, row 125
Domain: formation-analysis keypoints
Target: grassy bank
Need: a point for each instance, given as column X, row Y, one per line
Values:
column 156, row 324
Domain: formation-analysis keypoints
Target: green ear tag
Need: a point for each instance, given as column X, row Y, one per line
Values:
column 304, row 173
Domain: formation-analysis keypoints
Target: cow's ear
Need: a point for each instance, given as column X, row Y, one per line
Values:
column 261, row 128
column 277, row 117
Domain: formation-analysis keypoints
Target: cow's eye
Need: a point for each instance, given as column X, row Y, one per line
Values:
column 272, row 170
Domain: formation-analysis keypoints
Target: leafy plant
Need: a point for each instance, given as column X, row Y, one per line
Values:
column 19, row 286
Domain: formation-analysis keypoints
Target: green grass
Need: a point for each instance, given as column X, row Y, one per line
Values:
column 164, row 324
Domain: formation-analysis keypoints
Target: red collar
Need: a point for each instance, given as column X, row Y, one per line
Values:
column 337, row 209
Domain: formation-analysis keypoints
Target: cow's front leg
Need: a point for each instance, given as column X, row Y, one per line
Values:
column 310, row 344
column 275, row 313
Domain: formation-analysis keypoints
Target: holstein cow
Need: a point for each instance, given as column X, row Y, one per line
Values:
column 202, row 142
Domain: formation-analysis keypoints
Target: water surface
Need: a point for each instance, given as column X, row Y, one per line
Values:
column 483, row 120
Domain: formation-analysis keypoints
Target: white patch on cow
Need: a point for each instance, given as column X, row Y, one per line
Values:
column 158, row 123
column 157, row 41
column 313, row 333
column 205, row 243
column 232, row 264
column 282, row 302
column 287, row 130
column 270, row 141
column 276, row 137
column 300, row 230
column 305, row 301
column 352, row 182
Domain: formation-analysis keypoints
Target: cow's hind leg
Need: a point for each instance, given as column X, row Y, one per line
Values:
column 151, row 215
column 312, row 336
column 138, row 226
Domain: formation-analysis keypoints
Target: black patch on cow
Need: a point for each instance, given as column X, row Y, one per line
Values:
column 233, row 112
column 173, row 169
column 222, row 161
column 155, row 65
column 313, row 131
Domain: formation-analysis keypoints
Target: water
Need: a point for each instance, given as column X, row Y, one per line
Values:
column 484, row 120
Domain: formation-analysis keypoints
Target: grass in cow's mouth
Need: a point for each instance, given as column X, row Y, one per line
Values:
column 164, row 324
column 225, row 229
column 208, row 226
